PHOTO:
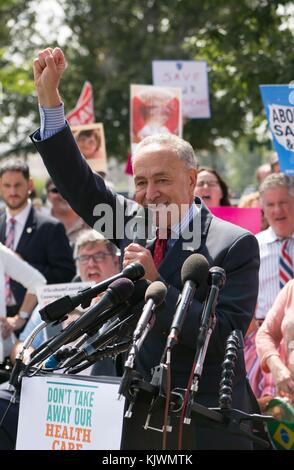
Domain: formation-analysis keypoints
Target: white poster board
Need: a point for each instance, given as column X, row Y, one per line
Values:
column 192, row 77
column 50, row 292
column 65, row 413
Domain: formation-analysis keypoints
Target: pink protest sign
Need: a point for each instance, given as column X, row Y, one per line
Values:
column 246, row 217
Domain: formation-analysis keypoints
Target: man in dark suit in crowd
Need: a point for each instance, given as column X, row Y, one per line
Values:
column 165, row 173
column 40, row 240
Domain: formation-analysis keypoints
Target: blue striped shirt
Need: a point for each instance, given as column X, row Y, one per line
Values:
column 52, row 121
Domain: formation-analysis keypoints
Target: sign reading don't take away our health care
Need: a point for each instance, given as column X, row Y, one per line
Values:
column 69, row 413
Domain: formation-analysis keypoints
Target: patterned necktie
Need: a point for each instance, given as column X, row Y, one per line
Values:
column 9, row 242
column 285, row 264
column 160, row 248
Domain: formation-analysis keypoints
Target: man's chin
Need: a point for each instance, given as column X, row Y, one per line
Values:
column 15, row 206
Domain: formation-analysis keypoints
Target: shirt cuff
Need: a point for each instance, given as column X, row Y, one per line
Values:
column 52, row 121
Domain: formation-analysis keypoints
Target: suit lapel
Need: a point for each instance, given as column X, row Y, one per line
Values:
column 184, row 247
column 27, row 232
column 3, row 228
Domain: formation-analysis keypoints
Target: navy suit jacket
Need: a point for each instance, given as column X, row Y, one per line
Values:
column 44, row 245
column 222, row 243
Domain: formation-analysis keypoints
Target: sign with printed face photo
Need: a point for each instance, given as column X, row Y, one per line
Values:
column 155, row 110
column 91, row 141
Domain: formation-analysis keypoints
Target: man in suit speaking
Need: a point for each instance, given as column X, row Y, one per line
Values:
column 165, row 174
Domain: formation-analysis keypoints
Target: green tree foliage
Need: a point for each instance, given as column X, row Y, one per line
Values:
column 113, row 42
column 17, row 102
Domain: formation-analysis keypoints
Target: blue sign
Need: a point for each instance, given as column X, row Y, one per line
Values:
column 278, row 101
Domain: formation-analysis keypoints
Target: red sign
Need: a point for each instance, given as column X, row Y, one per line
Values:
column 83, row 113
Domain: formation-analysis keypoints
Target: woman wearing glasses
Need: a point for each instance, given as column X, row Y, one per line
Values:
column 211, row 188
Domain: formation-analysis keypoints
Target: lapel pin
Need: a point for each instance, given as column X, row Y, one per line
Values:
column 29, row 230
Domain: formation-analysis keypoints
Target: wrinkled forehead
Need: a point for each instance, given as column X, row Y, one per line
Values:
column 153, row 149
column 276, row 193
column 99, row 245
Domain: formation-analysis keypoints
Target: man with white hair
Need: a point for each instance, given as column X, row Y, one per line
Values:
column 277, row 242
column 165, row 173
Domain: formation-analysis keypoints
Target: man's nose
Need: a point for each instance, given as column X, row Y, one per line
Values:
column 91, row 261
column 152, row 193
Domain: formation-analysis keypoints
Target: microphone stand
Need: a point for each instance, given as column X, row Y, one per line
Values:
column 129, row 373
column 16, row 374
column 208, row 322
column 226, row 417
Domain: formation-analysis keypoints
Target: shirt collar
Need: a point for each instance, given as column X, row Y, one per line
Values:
column 180, row 227
column 271, row 237
column 22, row 216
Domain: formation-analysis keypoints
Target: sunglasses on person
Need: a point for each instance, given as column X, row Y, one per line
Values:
column 53, row 190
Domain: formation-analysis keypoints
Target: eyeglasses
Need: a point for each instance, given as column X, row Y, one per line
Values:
column 210, row 184
column 53, row 190
column 96, row 257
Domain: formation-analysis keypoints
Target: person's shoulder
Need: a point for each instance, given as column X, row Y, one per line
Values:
column 264, row 236
column 234, row 230
column 47, row 220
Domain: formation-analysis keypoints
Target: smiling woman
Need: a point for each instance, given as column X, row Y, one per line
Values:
column 211, row 188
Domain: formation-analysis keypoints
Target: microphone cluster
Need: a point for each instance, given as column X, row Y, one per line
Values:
column 125, row 324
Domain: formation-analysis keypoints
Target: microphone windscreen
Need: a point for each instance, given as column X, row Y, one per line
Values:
column 195, row 269
column 134, row 271
column 121, row 289
column 157, row 292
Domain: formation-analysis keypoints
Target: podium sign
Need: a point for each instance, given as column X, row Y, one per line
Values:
column 64, row 412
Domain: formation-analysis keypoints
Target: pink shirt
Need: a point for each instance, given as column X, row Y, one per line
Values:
column 276, row 334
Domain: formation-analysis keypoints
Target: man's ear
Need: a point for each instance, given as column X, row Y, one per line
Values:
column 193, row 178
column 31, row 185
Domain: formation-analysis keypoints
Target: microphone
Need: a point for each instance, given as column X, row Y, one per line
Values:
column 141, row 227
column 117, row 292
column 55, row 311
column 121, row 313
column 194, row 274
column 154, row 296
column 91, row 352
column 216, row 279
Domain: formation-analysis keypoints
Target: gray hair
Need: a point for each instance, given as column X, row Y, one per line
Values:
column 277, row 180
column 181, row 147
column 92, row 237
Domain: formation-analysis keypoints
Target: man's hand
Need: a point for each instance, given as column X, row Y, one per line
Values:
column 135, row 252
column 48, row 70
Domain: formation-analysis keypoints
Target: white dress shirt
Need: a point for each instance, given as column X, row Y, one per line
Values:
column 269, row 284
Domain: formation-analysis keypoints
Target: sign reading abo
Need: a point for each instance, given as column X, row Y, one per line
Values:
column 69, row 413
column 278, row 101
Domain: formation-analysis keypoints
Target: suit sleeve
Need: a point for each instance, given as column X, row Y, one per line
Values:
column 237, row 299
column 83, row 189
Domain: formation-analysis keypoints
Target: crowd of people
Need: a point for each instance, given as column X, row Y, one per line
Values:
column 59, row 245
